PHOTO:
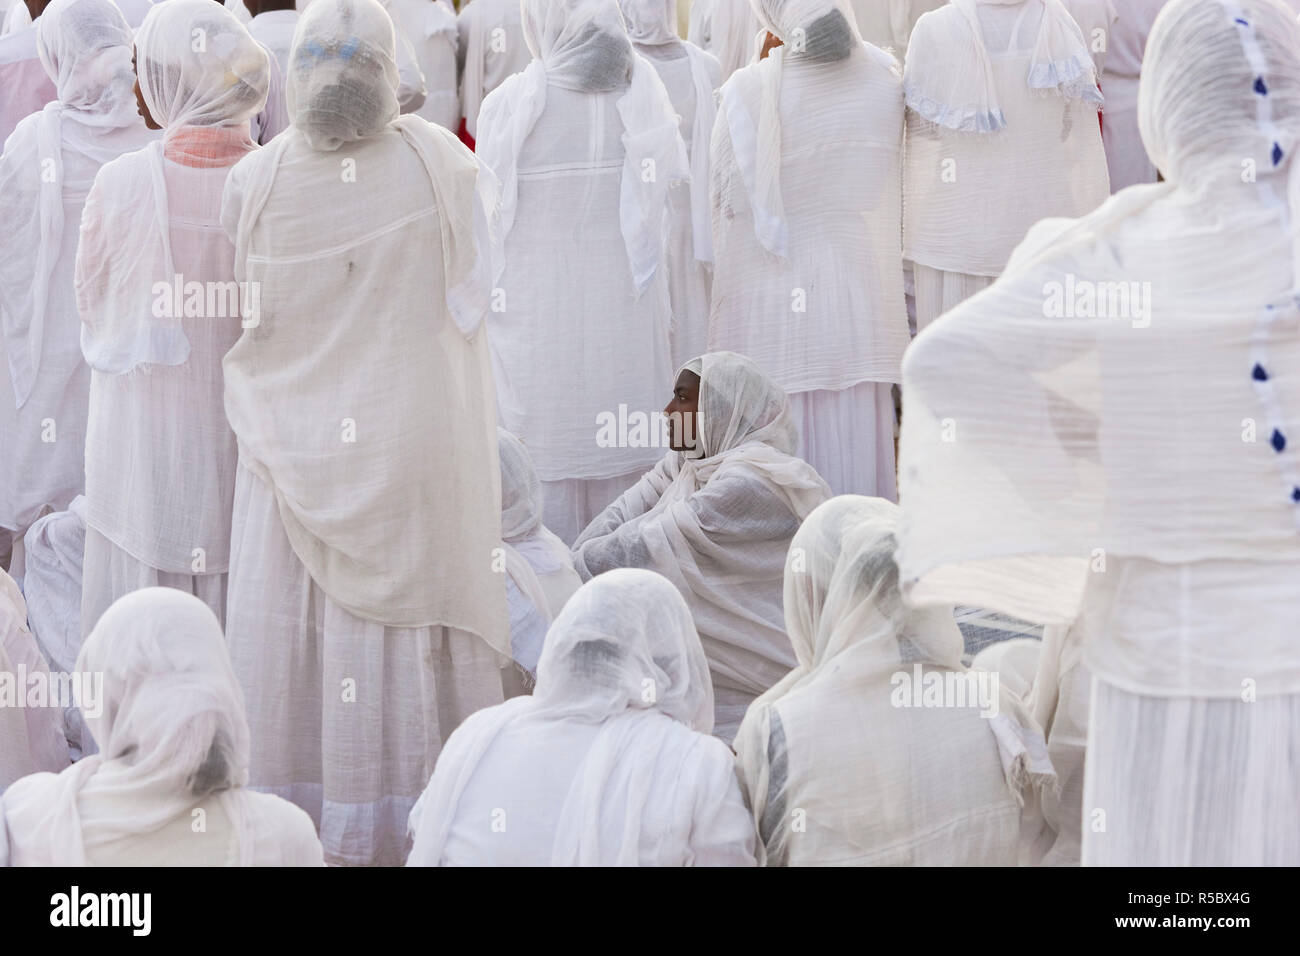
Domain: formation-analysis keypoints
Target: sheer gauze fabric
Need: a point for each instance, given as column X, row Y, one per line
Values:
column 368, row 507
column 690, row 75
column 491, row 48
column 608, row 763
column 807, row 212
column 31, row 737
column 538, row 566
column 159, row 306
column 46, row 171
column 1084, row 432
column 717, row 523
column 1001, row 132
column 169, row 720
column 726, row 28
column 838, row 766
column 583, row 146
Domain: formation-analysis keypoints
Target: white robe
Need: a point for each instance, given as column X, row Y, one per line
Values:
column 491, row 48
column 430, row 29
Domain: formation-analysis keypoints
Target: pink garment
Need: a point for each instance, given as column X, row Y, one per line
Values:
column 24, row 85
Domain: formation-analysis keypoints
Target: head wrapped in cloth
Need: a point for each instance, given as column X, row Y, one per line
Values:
column 739, row 404
column 650, row 22
column 197, row 66
column 1220, row 88
column 343, row 72
column 626, row 641
column 821, row 30
column 582, row 43
column 172, row 710
column 521, row 491
column 85, row 47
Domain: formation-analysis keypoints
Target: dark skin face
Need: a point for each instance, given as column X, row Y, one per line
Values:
column 770, row 43
column 139, row 98
column 682, row 410
column 37, row 7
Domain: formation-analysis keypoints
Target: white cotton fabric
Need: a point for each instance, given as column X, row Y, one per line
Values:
column 581, row 241
column 981, row 171
column 491, row 49
column 383, row 542
column 172, row 737
column 834, row 769
column 219, row 88
column 31, row 731
column 46, row 171
column 540, row 572
column 608, row 763
column 888, row 23
column 24, row 85
column 1080, row 441
column 717, row 523
column 274, row 30
column 430, row 29
column 691, row 76
column 806, row 195
column 726, row 28
column 1126, row 156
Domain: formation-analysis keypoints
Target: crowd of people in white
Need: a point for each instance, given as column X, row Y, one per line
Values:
column 342, row 519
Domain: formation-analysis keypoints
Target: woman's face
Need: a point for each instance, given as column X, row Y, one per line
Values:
column 682, row 412
column 139, row 97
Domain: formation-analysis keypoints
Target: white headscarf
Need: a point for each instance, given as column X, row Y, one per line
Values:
column 1034, row 445
column 342, row 73
column 623, row 655
column 85, row 47
column 650, row 22
column 583, row 45
column 949, row 77
column 197, row 68
column 171, row 732
column 530, row 548
column 851, row 634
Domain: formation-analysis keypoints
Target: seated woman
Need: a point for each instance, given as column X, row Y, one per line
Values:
column 880, row 748
column 539, row 569
column 607, row 763
column 715, row 517
column 166, row 788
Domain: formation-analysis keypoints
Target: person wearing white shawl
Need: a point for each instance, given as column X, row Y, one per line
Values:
column 430, row 29
column 888, row 23
column 691, row 76
column 46, row 171
column 584, row 148
column 167, row 787
column 539, row 569
column 272, row 26
column 715, row 517
column 24, row 85
column 1127, row 469
column 726, row 28
column 608, row 763
column 848, row 761
column 367, row 503
column 1002, row 131
column 1126, row 157
column 491, row 49
column 31, row 726
column 159, row 307
column 806, row 193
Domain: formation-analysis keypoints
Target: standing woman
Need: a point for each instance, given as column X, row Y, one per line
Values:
column 726, row 28
column 691, row 76
column 583, row 146
column 807, row 212
column 46, row 172
column 366, row 616
column 1002, row 131
column 155, row 289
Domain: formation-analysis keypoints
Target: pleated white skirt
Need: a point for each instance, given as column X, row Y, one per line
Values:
column 938, row 291
column 347, row 716
column 848, row 436
column 1186, row 781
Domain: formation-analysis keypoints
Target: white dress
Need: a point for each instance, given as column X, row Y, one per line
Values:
column 491, row 48
column 828, row 320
